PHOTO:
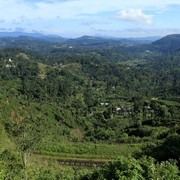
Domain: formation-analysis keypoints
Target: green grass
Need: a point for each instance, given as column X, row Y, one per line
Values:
column 88, row 150
column 5, row 142
column 50, row 160
column 169, row 103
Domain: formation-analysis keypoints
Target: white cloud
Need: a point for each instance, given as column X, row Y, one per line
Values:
column 50, row 9
column 135, row 15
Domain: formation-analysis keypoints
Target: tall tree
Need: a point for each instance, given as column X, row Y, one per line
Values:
column 26, row 131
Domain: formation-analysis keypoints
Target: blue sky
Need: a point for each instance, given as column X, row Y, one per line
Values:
column 74, row 18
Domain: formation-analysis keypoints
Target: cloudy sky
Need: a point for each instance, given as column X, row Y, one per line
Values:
column 74, row 18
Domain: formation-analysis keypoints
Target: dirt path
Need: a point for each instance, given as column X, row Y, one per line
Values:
column 82, row 162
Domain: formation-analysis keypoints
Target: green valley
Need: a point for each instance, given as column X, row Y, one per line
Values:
column 114, row 104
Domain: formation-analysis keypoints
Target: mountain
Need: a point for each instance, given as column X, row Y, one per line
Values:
column 36, row 44
column 98, row 41
column 25, row 42
column 84, row 40
column 16, row 34
column 145, row 40
column 53, row 38
column 169, row 43
column 105, row 48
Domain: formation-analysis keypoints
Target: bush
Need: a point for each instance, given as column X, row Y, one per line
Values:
column 10, row 166
column 127, row 168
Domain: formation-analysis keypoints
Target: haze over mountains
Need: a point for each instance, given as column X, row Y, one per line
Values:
column 139, row 47
column 156, row 40
column 51, row 37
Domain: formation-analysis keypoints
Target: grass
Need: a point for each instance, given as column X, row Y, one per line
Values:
column 88, row 150
column 74, row 153
column 49, row 168
column 103, row 153
column 5, row 142
column 169, row 103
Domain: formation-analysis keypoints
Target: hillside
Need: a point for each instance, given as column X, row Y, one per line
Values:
column 167, row 44
column 69, row 104
column 111, row 49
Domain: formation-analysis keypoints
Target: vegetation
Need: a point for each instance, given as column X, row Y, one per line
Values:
column 89, row 99
column 130, row 168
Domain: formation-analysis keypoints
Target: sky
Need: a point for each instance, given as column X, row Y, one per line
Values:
column 75, row 18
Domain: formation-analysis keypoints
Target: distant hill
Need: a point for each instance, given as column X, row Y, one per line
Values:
column 145, row 40
column 37, row 44
column 83, row 41
column 121, row 49
column 17, row 34
column 25, row 42
column 50, row 38
column 101, row 41
column 168, row 43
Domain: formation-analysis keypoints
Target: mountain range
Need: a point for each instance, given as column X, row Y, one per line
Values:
column 85, row 37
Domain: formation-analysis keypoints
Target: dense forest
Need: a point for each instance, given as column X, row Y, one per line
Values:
column 115, row 102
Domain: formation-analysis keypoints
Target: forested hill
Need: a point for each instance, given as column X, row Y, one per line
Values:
column 109, row 49
column 54, row 94
column 86, row 88
column 168, row 44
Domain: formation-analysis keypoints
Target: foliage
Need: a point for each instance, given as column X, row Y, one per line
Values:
column 129, row 168
column 25, row 132
column 10, row 165
column 95, row 93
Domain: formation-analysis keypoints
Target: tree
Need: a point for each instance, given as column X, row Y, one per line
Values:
column 108, row 113
column 138, row 104
column 127, row 168
column 26, row 131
